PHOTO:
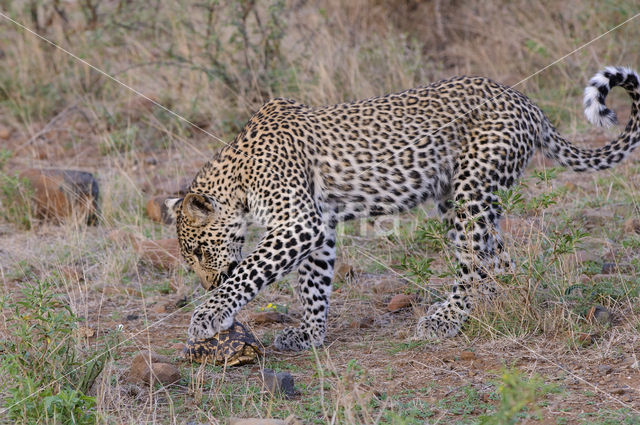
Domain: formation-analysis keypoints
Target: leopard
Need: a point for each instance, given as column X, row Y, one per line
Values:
column 299, row 170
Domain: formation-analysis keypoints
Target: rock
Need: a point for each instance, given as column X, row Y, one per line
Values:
column 131, row 317
column 342, row 271
column 398, row 302
column 264, row 317
column 619, row 391
column 363, row 323
column 5, row 132
column 279, row 383
column 158, row 211
column 605, row 369
column 162, row 253
column 58, row 194
column 584, row 339
column 468, row 356
column 609, row 268
column 631, row 362
column 147, row 365
column 388, row 285
column 631, row 225
column 161, row 308
column 165, row 373
column 599, row 314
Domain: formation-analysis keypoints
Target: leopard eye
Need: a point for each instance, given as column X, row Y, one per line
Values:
column 198, row 252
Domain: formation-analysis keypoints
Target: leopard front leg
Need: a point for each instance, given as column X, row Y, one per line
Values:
column 255, row 272
column 313, row 289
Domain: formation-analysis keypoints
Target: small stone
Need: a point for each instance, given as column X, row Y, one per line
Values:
column 609, row 268
column 605, row 369
column 468, row 356
column 158, row 211
column 132, row 317
column 279, row 383
column 584, row 339
column 147, row 365
column 619, row 391
column 398, row 302
column 58, row 194
column 631, row 225
column 166, row 373
column 342, row 271
column 599, row 314
column 162, row 253
column 265, row 317
column 161, row 308
column 5, row 132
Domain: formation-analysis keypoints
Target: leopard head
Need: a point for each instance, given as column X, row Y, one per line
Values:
column 210, row 234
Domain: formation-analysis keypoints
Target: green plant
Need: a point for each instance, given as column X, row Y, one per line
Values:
column 517, row 393
column 49, row 375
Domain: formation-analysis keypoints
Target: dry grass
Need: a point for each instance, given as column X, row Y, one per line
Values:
column 214, row 64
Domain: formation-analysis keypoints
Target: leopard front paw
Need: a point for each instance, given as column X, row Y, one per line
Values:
column 206, row 323
column 295, row 339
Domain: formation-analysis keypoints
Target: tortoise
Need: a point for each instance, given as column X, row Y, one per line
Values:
column 232, row 347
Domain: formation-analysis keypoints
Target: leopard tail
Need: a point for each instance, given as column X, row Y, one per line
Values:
column 560, row 149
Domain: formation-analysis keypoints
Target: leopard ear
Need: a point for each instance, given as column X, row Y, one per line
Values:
column 198, row 208
column 173, row 205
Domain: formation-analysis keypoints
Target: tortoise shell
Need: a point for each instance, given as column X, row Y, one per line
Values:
column 232, row 347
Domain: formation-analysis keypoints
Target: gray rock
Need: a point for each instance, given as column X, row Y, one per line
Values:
column 279, row 383
column 59, row 193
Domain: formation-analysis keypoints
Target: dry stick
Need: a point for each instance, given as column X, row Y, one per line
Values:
column 488, row 326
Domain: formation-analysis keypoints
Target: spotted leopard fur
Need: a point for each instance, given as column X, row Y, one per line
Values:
column 299, row 170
